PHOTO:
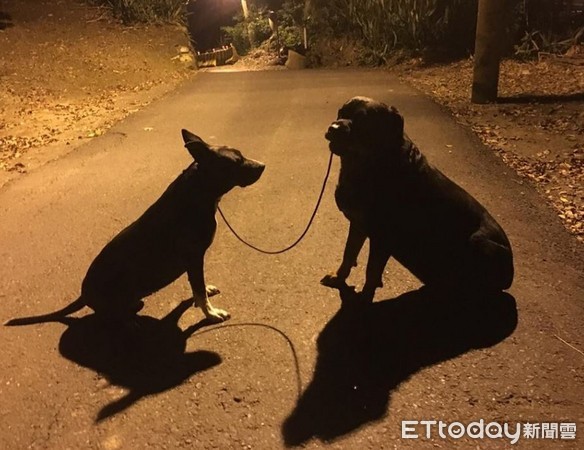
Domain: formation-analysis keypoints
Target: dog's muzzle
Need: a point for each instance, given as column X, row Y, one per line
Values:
column 338, row 134
column 339, row 129
column 252, row 172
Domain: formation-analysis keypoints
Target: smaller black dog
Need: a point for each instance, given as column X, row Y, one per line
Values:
column 409, row 210
column 169, row 239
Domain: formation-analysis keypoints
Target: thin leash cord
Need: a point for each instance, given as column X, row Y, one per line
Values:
column 295, row 243
column 295, row 360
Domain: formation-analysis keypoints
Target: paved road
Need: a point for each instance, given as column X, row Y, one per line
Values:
column 291, row 367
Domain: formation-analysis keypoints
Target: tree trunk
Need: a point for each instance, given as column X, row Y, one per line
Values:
column 488, row 49
column 250, row 32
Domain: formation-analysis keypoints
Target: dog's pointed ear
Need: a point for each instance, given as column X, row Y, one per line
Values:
column 189, row 137
column 195, row 145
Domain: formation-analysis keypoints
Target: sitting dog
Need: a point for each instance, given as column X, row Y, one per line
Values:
column 169, row 239
column 409, row 210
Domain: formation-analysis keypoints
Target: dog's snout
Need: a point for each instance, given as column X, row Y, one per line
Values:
column 257, row 165
column 252, row 172
column 259, row 168
column 331, row 132
column 338, row 129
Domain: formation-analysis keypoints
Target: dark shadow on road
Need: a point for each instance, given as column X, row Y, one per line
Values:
column 542, row 99
column 365, row 352
column 146, row 358
column 5, row 20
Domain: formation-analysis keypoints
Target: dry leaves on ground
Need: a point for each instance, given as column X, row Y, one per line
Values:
column 537, row 128
column 70, row 71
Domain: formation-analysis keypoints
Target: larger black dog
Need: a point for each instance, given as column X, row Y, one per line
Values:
column 169, row 239
column 409, row 210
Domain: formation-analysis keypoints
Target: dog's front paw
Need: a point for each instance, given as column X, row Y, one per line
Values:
column 333, row 281
column 212, row 290
column 215, row 315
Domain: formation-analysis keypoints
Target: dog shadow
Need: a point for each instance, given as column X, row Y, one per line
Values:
column 366, row 351
column 145, row 358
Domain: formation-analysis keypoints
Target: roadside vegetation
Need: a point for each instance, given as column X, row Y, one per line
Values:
column 146, row 11
column 381, row 29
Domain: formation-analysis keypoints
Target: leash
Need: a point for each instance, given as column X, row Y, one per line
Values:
column 295, row 243
column 295, row 360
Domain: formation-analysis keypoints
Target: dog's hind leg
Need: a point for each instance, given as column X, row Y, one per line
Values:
column 489, row 262
column 355, row 241
column 201, row 296
column 116, row 310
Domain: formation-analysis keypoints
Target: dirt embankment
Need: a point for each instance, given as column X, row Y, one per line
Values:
column 69, row 71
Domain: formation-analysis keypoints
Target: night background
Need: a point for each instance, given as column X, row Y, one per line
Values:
column 206, row 17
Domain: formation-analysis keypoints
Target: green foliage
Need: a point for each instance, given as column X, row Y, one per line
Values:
column 384, row 25
column 378, row 25
column 290, row 37
column 545, row 26
column 535, row 42
column 257, row 25
column 147, row 11
column 289, row 18
column 238, row 36
column 290, row 23
column 381, row 29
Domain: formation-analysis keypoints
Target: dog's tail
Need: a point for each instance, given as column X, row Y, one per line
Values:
column 51, row 317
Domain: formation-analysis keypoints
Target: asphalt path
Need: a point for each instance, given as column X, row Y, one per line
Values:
column 292, row 367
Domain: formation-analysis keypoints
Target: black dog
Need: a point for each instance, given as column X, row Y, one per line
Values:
column 409, row 210
column 169, row 239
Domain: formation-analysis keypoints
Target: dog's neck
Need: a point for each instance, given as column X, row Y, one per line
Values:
column 205, row 182
column 397, row 159
column 410, row 156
